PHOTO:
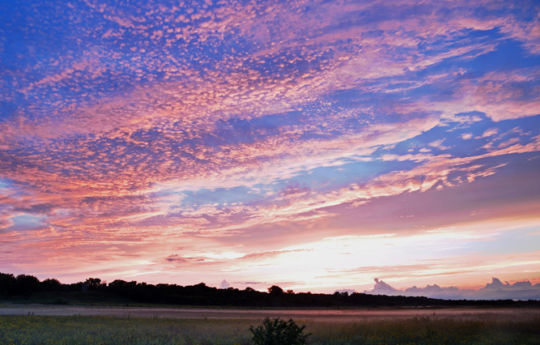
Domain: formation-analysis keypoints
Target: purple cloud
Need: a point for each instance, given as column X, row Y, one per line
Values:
column 522, row 290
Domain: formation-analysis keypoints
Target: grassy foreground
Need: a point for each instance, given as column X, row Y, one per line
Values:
column 78, row 330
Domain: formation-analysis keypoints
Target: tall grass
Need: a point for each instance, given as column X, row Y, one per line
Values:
column 78, row 330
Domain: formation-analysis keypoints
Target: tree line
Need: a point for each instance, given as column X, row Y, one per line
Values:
column 94, row 290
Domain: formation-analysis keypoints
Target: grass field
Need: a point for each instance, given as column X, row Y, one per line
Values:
column 104, row 330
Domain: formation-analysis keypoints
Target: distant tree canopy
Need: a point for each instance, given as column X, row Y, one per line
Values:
column 120, row 291
column 23, row 285
column 94, row 284
column 275, row 290
column 50, row 285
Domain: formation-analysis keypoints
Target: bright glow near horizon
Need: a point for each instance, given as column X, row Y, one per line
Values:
column 314, row 145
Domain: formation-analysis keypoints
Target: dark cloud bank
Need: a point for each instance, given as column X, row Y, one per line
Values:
column 523, row 290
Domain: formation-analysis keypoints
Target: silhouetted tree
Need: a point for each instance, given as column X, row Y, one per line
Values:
column 8, row 284
column 93, row 284
column 200, row 294
column 50, row 285
column 275, row 290
column 26, row 285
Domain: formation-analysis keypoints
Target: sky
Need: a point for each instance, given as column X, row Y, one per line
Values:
column 316, row 145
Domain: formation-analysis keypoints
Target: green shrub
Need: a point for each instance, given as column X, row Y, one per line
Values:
column 278, row 332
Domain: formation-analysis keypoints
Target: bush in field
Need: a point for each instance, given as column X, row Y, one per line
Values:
column 278, row 332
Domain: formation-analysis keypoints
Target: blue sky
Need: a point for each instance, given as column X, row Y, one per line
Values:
column 236, row 136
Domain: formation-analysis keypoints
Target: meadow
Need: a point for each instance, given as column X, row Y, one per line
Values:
column 107, row 330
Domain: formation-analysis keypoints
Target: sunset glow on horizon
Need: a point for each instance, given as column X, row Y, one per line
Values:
column 316, row 145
